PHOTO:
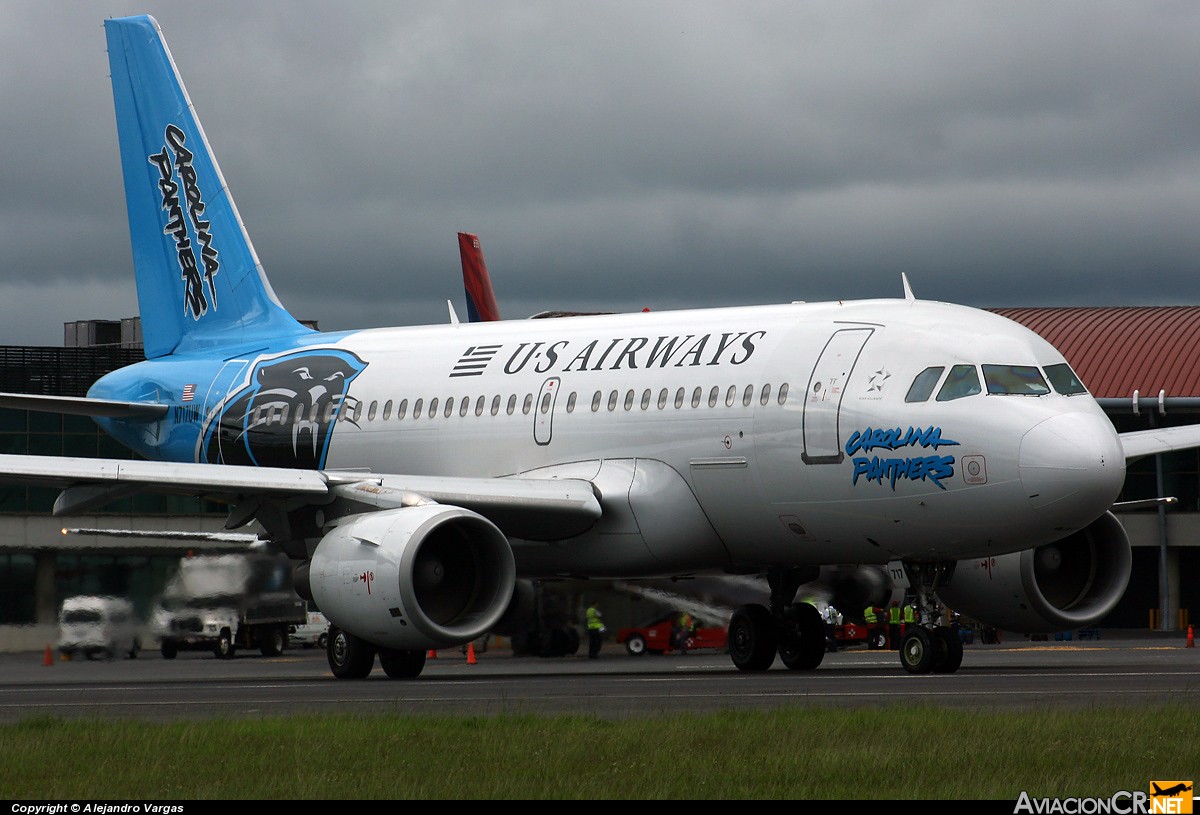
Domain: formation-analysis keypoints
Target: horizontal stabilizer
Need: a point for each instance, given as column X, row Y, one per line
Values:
column 1142, row 443
column 83, row 406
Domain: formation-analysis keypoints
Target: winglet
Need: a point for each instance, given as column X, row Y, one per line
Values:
column 453, row 314
column 908, row 292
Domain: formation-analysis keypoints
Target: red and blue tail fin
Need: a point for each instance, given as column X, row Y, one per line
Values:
column 481, row 300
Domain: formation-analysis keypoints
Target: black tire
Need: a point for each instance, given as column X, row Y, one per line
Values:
column 349, row 657
column 635, row 645
column 877, row 640
column 803, row 644
column 169, row 649
column 224, row 648
column 322, row 642
column 272, row 642
column 402, row 664
column 917, row 651
column 948, row 650
column 752, row 638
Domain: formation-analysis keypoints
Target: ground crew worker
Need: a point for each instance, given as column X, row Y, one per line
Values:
column 869, row 616
column 684, row 627
column 595, row 629
column 894, row 618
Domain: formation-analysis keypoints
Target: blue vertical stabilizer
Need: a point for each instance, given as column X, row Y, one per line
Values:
column 199, row 281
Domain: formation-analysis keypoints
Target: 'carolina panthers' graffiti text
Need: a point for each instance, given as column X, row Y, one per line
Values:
column 196, row 299
column 913, row 468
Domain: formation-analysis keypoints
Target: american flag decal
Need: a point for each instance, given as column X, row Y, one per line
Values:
column 189, row 393
column 474, row 360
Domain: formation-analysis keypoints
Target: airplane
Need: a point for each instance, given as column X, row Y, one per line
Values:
column 1173, row 790
column 422, row 477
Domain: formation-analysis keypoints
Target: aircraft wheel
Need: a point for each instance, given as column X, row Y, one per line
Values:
column 948, row 650
column 802, row 646
column 323, row 642
column 877, row 641
column 224, row 648
column 635, row 646
column 752, row 638
column 349, row 657
column 169, row 649
column 401, row 664
column 917, row 651
column 272, row 643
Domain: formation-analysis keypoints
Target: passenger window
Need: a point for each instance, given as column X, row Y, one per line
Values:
column 527, row 405
column 571, row 403
column 922, row 386
column 464, row 405
column 766, row 395
column 662, row 398
column 433, row 406
column 1015, row 380
column 417, row 408
column 387, row 410
column 544, row 408
column 512, row 404
column 480, row 403
column 748, row 395
column 713, row 395
column 645, row 398
column 371, row 411
column 449, row 407
column 401, row 409
column 496, row 405
column 731, row 396
column 330, row 408
column 596, row 397
column 357, row 412
column 629, row 399
column 679, row 398
column 963, row 380
column 1064, row 380
column 612, row 401
column 696, row 397
column 783, row 389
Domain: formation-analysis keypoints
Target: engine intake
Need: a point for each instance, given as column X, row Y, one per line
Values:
column 414, row 578
column 1069, row 583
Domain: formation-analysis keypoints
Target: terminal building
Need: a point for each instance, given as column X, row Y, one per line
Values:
column 1141, row 363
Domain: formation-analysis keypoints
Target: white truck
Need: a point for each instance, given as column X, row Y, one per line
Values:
column 221, row 603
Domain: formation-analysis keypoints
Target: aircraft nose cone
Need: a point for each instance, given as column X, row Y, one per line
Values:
column 1072, row 465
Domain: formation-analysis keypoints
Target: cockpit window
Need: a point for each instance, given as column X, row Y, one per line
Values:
column 1064, row 380
column 963, row 380
column 922, row 387
column 1015, row 380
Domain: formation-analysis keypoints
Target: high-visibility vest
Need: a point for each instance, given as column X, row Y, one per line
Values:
column 594, row 622
column 910, row 614
column 869, row 614
column 894, row 615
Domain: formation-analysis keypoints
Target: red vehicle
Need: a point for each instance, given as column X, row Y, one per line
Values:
column 655, row 636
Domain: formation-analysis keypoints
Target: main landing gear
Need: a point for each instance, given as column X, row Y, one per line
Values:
column 793, row 630
column 796, row 632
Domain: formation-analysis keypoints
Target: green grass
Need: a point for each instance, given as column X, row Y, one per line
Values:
column 899, row 752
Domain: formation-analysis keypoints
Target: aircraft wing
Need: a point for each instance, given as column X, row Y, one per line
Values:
column 1142, row 443
column 537, row 509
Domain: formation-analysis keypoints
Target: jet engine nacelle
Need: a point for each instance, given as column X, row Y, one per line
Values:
column 1070, row 583
column 413, row 578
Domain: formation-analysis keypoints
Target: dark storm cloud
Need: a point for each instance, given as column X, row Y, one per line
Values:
column 619, row 155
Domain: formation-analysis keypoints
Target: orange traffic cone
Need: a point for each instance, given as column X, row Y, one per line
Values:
column 470, row 653
column 48, row 657
column 1191, row 639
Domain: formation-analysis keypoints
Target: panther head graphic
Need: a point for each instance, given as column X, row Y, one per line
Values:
column 285, row 414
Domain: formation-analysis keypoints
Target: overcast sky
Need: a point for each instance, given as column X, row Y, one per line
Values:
column 618, row 155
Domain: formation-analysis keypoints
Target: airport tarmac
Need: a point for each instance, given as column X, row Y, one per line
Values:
column 1123, row 668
